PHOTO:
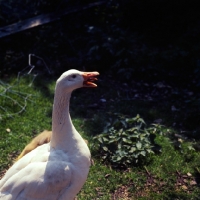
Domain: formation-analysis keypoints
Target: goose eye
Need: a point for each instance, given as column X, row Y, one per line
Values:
column 74, row 76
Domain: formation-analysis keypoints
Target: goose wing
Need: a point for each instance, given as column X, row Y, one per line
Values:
column 35, row 177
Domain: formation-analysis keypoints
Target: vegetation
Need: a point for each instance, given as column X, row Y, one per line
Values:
column 125, row 142
column 148, row 56
column 170, row 173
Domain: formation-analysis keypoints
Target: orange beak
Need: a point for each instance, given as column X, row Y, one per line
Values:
column 89, row 77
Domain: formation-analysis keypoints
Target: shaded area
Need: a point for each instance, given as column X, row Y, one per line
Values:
column 155, row 40
column 40, row 20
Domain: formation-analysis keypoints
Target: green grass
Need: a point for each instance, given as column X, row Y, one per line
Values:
column 103, row 182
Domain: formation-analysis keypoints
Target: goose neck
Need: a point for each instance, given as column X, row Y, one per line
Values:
column 62, row 127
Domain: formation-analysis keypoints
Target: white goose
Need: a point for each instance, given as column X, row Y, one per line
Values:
column 56, row 170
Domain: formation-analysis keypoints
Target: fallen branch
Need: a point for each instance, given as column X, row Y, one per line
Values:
column 41, row 19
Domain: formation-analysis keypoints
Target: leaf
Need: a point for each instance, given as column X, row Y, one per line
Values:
column 119, row 152
column 134, row 135
column 112, row 136
column 126, row 141
column 118, row 158
column 105, row 139
column 127, row 147
column 142, row 136
column 184, row 187
column 193, row 182
column 132, row 129
column 119, row 146
column 143, row 153
column 191, row 148
column 132, row 149
column 105, row 148
column 138, row 145
column 114, row 159
column 141, row 120
column 137, row 117
column 124, row 134
column 189, row 174
column 100, row 140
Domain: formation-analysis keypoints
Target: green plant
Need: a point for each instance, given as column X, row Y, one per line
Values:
column 125, row 141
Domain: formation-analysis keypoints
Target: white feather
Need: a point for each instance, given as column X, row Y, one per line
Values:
column 57, row 170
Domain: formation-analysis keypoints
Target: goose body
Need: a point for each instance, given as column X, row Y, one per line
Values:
column 55, row 170
column 42, row 138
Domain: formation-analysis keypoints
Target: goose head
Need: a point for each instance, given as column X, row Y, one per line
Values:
column 73, row 79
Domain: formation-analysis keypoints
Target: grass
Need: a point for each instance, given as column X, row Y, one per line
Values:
column 172, row 174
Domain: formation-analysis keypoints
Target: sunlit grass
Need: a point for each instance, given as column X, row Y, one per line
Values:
column 103, row 180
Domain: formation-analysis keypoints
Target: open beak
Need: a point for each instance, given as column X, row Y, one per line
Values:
column 89, row 78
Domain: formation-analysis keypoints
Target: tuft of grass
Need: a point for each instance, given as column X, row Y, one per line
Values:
column 172, row 174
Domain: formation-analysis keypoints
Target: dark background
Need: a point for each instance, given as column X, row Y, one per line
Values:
column 154, row 40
